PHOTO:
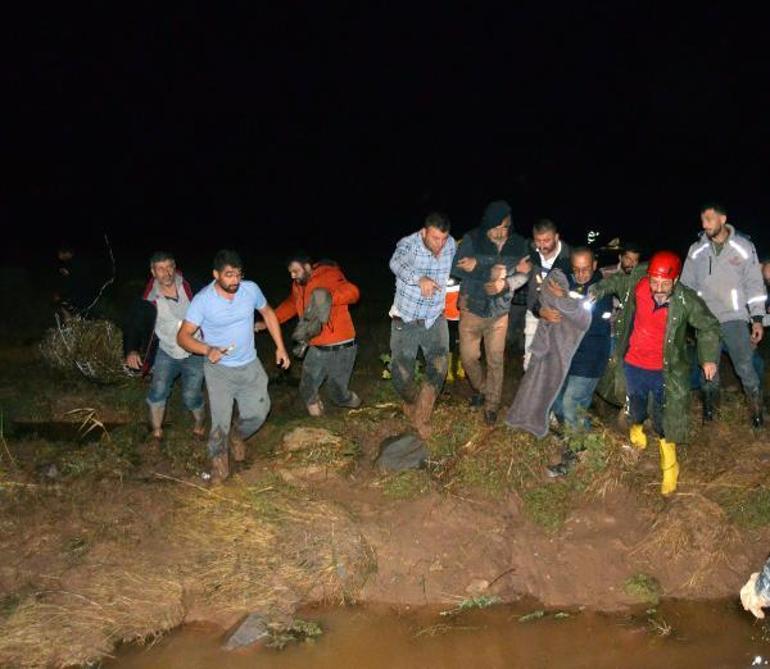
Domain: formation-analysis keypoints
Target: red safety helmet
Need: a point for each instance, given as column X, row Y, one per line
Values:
column 664, row 265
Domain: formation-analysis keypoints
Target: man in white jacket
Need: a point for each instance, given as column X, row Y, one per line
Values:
column 722, row 267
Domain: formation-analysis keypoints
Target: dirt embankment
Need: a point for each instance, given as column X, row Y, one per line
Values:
column 109, row 540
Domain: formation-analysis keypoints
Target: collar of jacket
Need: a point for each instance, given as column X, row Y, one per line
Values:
column 563, row 254
column 152, row 291
column 734, row 240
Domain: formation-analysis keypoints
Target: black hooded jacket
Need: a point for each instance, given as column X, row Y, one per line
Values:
column 477, row 244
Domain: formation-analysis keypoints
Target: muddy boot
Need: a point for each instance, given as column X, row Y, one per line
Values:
column 237, row 446
column 568, row 460
column 199, row 429
column 709, row 399
column 490, row 417
column 423, row 408
column 157, row 412
column 353, row 402
column 757, row 409
column 220, row 469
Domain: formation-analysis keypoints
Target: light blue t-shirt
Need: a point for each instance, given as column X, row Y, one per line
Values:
column 226, row 322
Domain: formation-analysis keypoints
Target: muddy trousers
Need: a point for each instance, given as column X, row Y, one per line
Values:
column 406, row 341
column 474, row 329
column 330, row 364
column 246, row 385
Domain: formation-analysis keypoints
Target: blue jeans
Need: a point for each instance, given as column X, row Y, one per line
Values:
column 166, row 370
column 574, row 399
column 640, row 384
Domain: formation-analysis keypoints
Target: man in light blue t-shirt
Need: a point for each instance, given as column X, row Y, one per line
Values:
column 224, row 313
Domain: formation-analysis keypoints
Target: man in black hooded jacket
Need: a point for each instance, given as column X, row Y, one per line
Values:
column 487, row 259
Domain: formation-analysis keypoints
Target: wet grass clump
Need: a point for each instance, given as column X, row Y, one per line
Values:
column 297, row 632
column 406, row 485
column 472, row 603
column 644, row 588
column 747, row 508
column 548, row 505
column 467, row 455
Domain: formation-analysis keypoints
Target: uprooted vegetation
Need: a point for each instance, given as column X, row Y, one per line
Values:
column 244, row 547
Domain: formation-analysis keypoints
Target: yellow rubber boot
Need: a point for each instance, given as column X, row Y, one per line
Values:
column 450, row 376
column 460, row 373
column 637, row 436
column 669, row 466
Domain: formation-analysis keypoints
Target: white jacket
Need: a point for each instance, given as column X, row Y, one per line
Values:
column 730, row 283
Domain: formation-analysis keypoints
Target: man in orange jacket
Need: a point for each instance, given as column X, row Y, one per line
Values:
column 332, row 352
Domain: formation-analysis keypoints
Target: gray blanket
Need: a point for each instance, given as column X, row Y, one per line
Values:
column 312, row 321
column 552, row 350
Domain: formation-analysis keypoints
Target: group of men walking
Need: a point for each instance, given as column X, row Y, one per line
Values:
column 622, row 330
column 633, row 344
column 211, row 335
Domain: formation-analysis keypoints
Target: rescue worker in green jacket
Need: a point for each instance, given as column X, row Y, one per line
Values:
column 650, row 356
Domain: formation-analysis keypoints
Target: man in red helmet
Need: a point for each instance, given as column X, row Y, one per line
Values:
column 651, row 353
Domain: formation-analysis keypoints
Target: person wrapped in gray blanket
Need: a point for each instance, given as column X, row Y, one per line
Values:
column 553, row 347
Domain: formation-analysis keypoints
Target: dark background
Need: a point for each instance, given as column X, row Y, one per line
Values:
column 337, row 128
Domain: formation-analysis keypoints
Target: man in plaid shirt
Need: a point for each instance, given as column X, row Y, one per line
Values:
column 421, row 264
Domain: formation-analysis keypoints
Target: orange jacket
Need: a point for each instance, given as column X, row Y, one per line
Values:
column 340, row 326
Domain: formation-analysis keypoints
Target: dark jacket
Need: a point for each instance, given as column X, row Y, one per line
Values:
column 139, row 327
column 536, row 278
column 476, row 244
column 685, row 309
column 590, row 359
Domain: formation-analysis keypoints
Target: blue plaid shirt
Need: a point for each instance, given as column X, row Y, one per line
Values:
column 411, row 261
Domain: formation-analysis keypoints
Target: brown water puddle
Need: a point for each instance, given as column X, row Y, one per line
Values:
column 702, row 634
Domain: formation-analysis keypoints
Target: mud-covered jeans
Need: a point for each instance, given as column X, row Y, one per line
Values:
column 246, row 385
column 332, row 365
column 165, row 370
column 473, row 329
column 406, row 340
column 574, row 400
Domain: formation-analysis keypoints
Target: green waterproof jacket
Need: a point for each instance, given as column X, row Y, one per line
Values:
column 685, row 308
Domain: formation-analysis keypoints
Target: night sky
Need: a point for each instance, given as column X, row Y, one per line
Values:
column 338, row 128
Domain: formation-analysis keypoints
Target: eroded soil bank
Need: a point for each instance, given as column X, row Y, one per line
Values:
column 108, row 540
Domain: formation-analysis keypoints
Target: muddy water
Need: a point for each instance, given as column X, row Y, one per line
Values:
column 677, row 634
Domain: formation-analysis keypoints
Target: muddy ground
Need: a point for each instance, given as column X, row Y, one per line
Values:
column 105, row 538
